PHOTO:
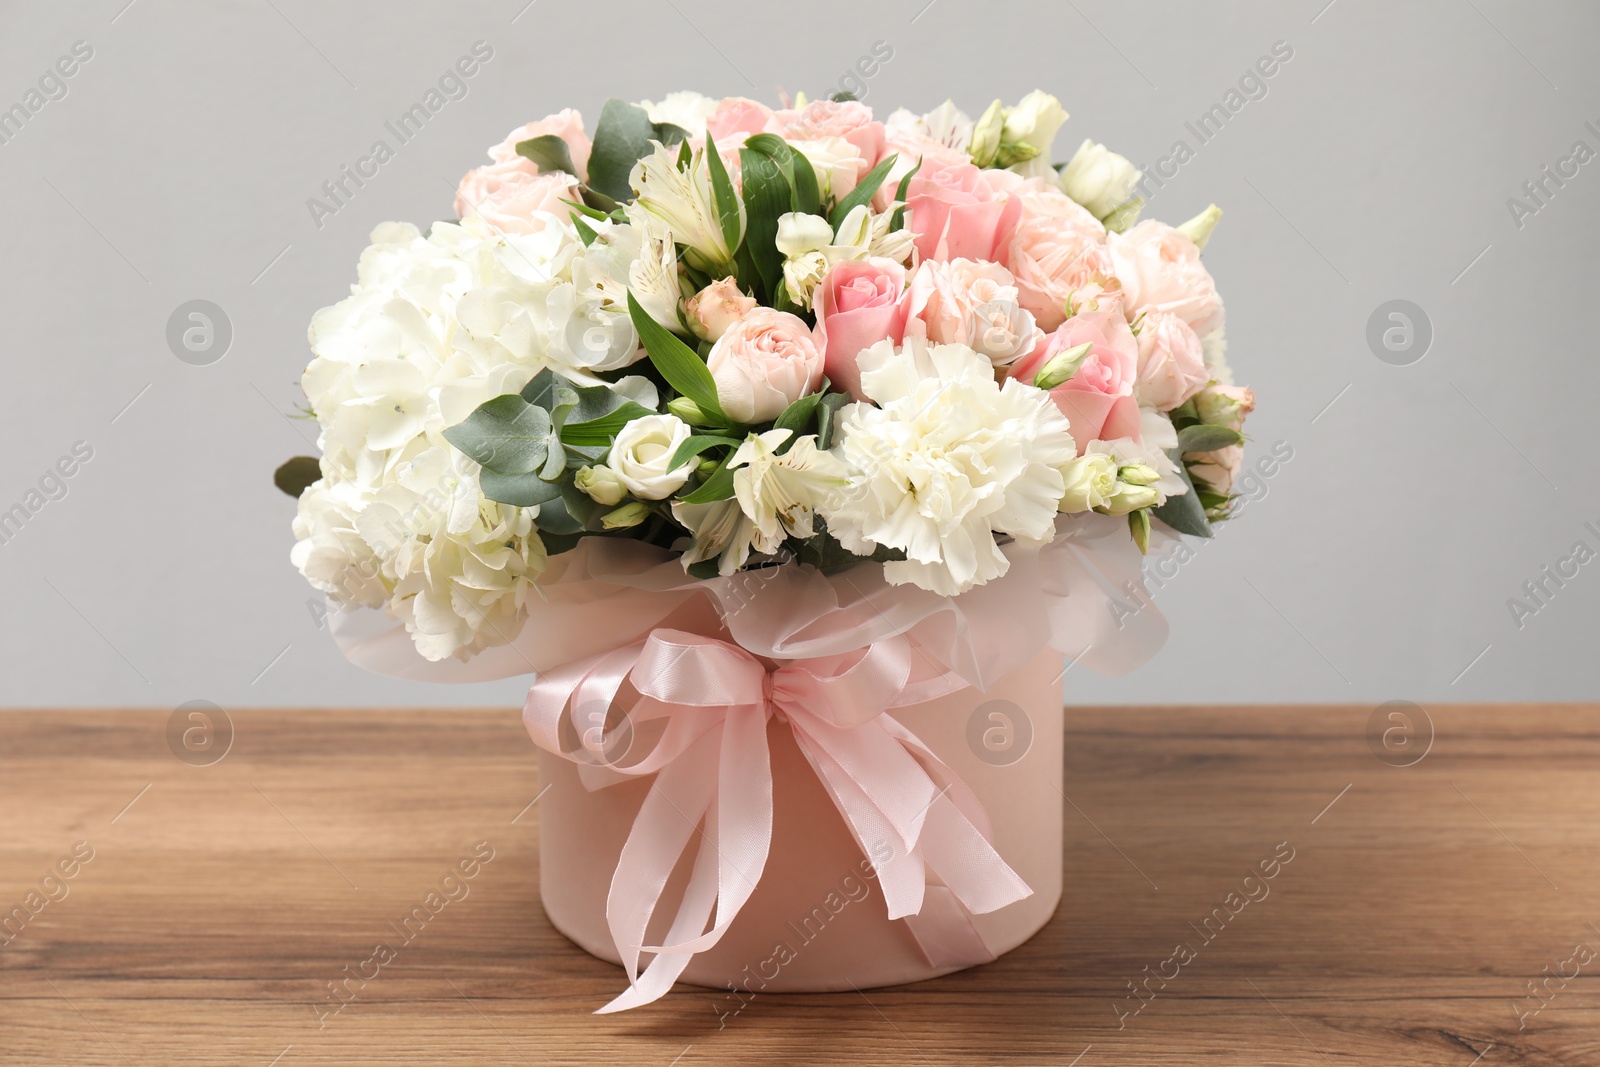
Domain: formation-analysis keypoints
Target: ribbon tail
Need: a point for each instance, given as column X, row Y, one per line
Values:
column 671, row 813
column 944, row 931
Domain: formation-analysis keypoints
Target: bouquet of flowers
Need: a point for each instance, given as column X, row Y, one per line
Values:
column 757, row 337
column 741, row 430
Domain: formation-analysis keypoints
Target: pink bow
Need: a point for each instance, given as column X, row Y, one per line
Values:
column 705, row 703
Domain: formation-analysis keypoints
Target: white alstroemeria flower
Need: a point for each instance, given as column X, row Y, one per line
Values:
column 719, row 529
column 812, row 248
column 947, row 124
column 653, row 276
column 781, row 494
column 684, row 202
column 943, row 460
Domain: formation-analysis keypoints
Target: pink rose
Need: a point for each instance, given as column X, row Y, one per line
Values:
column 510, row 196
column 849, row 119
column 715, row 308
column 858, row 304
column 1055, row 249
column 737, row 118
column 1098, row 400
column 566, row 124
column 1172, row 365
column 958, row 210
column 1221, row 405
column 763, row 363
column 1160, row 270
column 972, row 303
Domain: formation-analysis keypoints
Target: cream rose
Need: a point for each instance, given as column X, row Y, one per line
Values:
column 1160, row 270
column 1056, row 250
column 513, row 197
column 642, row 452
column 971, row 303
column 763, row 363
column 1172, row 365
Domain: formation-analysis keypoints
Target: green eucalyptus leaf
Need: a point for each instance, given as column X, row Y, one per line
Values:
column 621, row 138
column 797, row 416
column 518, row 490
column 1202, row 437
column 550, row 153
column 297, row 474
column 507, row 435
column 602, row 429
column 1185, row 514
column 828, row 418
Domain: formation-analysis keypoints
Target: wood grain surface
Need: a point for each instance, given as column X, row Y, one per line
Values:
column 1421, row 905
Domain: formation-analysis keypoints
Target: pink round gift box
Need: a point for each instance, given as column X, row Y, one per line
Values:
column 817, row 921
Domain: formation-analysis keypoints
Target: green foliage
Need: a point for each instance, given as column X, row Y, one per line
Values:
column 621, row 138
column 297, row 474
column 863, row 193
column 1203, row 437
column 1185, row 513
column 550, row 153
column 679, row 364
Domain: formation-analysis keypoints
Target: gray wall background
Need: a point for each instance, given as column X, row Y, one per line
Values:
column 1377, row 566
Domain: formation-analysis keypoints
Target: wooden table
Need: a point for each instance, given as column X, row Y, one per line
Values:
column 222, row 899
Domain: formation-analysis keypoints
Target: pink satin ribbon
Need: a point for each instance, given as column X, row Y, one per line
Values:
column 705, row 703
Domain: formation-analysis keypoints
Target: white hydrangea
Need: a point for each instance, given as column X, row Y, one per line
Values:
column 946, row 460
column 433, row 327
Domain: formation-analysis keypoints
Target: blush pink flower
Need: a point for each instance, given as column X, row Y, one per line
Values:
column 1098, row 400
column 859, row 303
column 1172, row 365
column 763, row 363
column 959, row 211
column 1222, row 405
column 513, row 197
column 566, row 124
column 972, row 303
column 1055, row 249
column 737, row 118
column 849, row 119
column 1160, row 270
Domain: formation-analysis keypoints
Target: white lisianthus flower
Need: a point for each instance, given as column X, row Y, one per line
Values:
column 642, row 452
column 1099, row 179
column 684, row 202
column 1157, row 435
column 945, row 460
column 1090, row 479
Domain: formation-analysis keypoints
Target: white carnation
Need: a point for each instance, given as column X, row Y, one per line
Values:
column 946, row 460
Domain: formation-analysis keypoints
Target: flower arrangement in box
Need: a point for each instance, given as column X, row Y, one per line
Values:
column 754, row 435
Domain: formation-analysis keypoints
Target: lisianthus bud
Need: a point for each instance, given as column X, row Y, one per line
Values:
column 1138, row 474
column 601, row 484
column 1198, row 229
column 986, row 132
column 1030, row 128
column 1099, row 179
column 688, row 411
column 1062, row 366
column 625, row 516
column 1128, row 498
column 1139, row 526
column 1224, row 405
column 716, row 307
column 799, row 233
column 1090, row 481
